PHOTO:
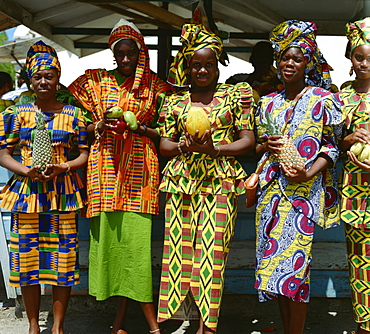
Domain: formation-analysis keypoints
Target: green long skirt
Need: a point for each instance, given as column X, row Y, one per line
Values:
column 120, row 256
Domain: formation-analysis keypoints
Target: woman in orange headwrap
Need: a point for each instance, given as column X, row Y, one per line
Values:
column 355, row 181
column 202, row 179
column 122, row 173
column 43, row 199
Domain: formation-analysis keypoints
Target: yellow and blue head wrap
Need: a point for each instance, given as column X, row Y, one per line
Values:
column 41, row 57
column 358, row 33
column 293, row 33
column 193, row 37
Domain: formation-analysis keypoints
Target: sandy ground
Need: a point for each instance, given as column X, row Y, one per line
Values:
column 239, row 314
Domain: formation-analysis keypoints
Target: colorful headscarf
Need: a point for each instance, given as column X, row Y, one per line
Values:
column 358, row 33
column 41, row 57
column 127, row 30
column 193, row 37
column 293, row 33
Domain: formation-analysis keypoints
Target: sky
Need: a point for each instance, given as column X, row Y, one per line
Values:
column 332, row 47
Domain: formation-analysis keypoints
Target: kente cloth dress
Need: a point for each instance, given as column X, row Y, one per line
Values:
column 122, row 186
column 43, row 239
column 286, row 211
column 355, row 209
column 201, row 203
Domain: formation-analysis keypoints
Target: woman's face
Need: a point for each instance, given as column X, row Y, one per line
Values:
column 292, row 66
column 360, row 58
column 203, row 68
column 45, row 83
column 126, row 54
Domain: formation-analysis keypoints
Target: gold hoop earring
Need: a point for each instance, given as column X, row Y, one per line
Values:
column 351, row 71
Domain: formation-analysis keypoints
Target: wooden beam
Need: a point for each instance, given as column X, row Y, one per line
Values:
column 133, row 15
column 6, row 22
column 18, row 13
column 156, row 12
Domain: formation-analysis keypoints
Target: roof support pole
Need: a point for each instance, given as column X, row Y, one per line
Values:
column 164, row 50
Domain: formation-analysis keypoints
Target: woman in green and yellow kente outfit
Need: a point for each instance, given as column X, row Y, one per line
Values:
column 122, row 174
column 202, row 178
column 355, row 211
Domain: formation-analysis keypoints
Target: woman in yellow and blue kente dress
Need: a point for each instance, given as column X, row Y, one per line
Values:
column 202, row 179
column 355, row 211
column 43, row 239
column 122, row 174
column 291, row 201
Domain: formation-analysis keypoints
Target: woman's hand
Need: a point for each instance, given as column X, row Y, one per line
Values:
column 51, row 171
column 34, row 174
column 203, row 144
column 295, row 174
column 363, row 165
column 360, row 135
column 274, row 144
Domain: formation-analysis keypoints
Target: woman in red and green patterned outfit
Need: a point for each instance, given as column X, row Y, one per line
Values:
column 355, row 211
column 203, row 179
column 122, row 174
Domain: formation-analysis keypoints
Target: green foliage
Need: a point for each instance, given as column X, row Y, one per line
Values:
column 6, row 67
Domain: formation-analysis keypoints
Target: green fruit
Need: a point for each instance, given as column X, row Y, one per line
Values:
column 357, row 147
column 130, row 118
column 115, row 112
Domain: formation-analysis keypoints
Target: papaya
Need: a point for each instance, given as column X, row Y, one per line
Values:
column 197, row 119
column 115, row 112
column 130, row 118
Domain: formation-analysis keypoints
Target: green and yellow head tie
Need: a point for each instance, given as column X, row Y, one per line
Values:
column 358, row 33
column 193, row 37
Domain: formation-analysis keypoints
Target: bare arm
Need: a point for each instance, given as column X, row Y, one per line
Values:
column 245, row 143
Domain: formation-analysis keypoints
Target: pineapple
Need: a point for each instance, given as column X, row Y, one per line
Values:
column 289, row 155
column 41, row 152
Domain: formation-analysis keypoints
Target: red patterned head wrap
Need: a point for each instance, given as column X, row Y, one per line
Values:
column 127, row 30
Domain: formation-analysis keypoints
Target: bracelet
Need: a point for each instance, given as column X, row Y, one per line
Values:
column 68, row 166
column 218, row 150
column 98, row 136
column 145, row 130
column 155, row 330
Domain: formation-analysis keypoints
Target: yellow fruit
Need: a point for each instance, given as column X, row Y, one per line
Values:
column 197, row 119
column 357, row 147
column 365, row 153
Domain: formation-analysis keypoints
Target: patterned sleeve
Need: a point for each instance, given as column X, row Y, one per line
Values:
column 80, row 89
column 244, row 113
column 332, row 126
column 167, row 120
column 80, row 133
column 9, row 129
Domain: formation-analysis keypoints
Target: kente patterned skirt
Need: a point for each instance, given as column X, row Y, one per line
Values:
column 358, row 251
column 44, row 249
column 198, row 233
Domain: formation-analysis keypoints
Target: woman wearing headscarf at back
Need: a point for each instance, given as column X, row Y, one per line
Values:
column 45, row 191
column 296, row 132
column 122, row 173
column 356, row 171
column 202, row 127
